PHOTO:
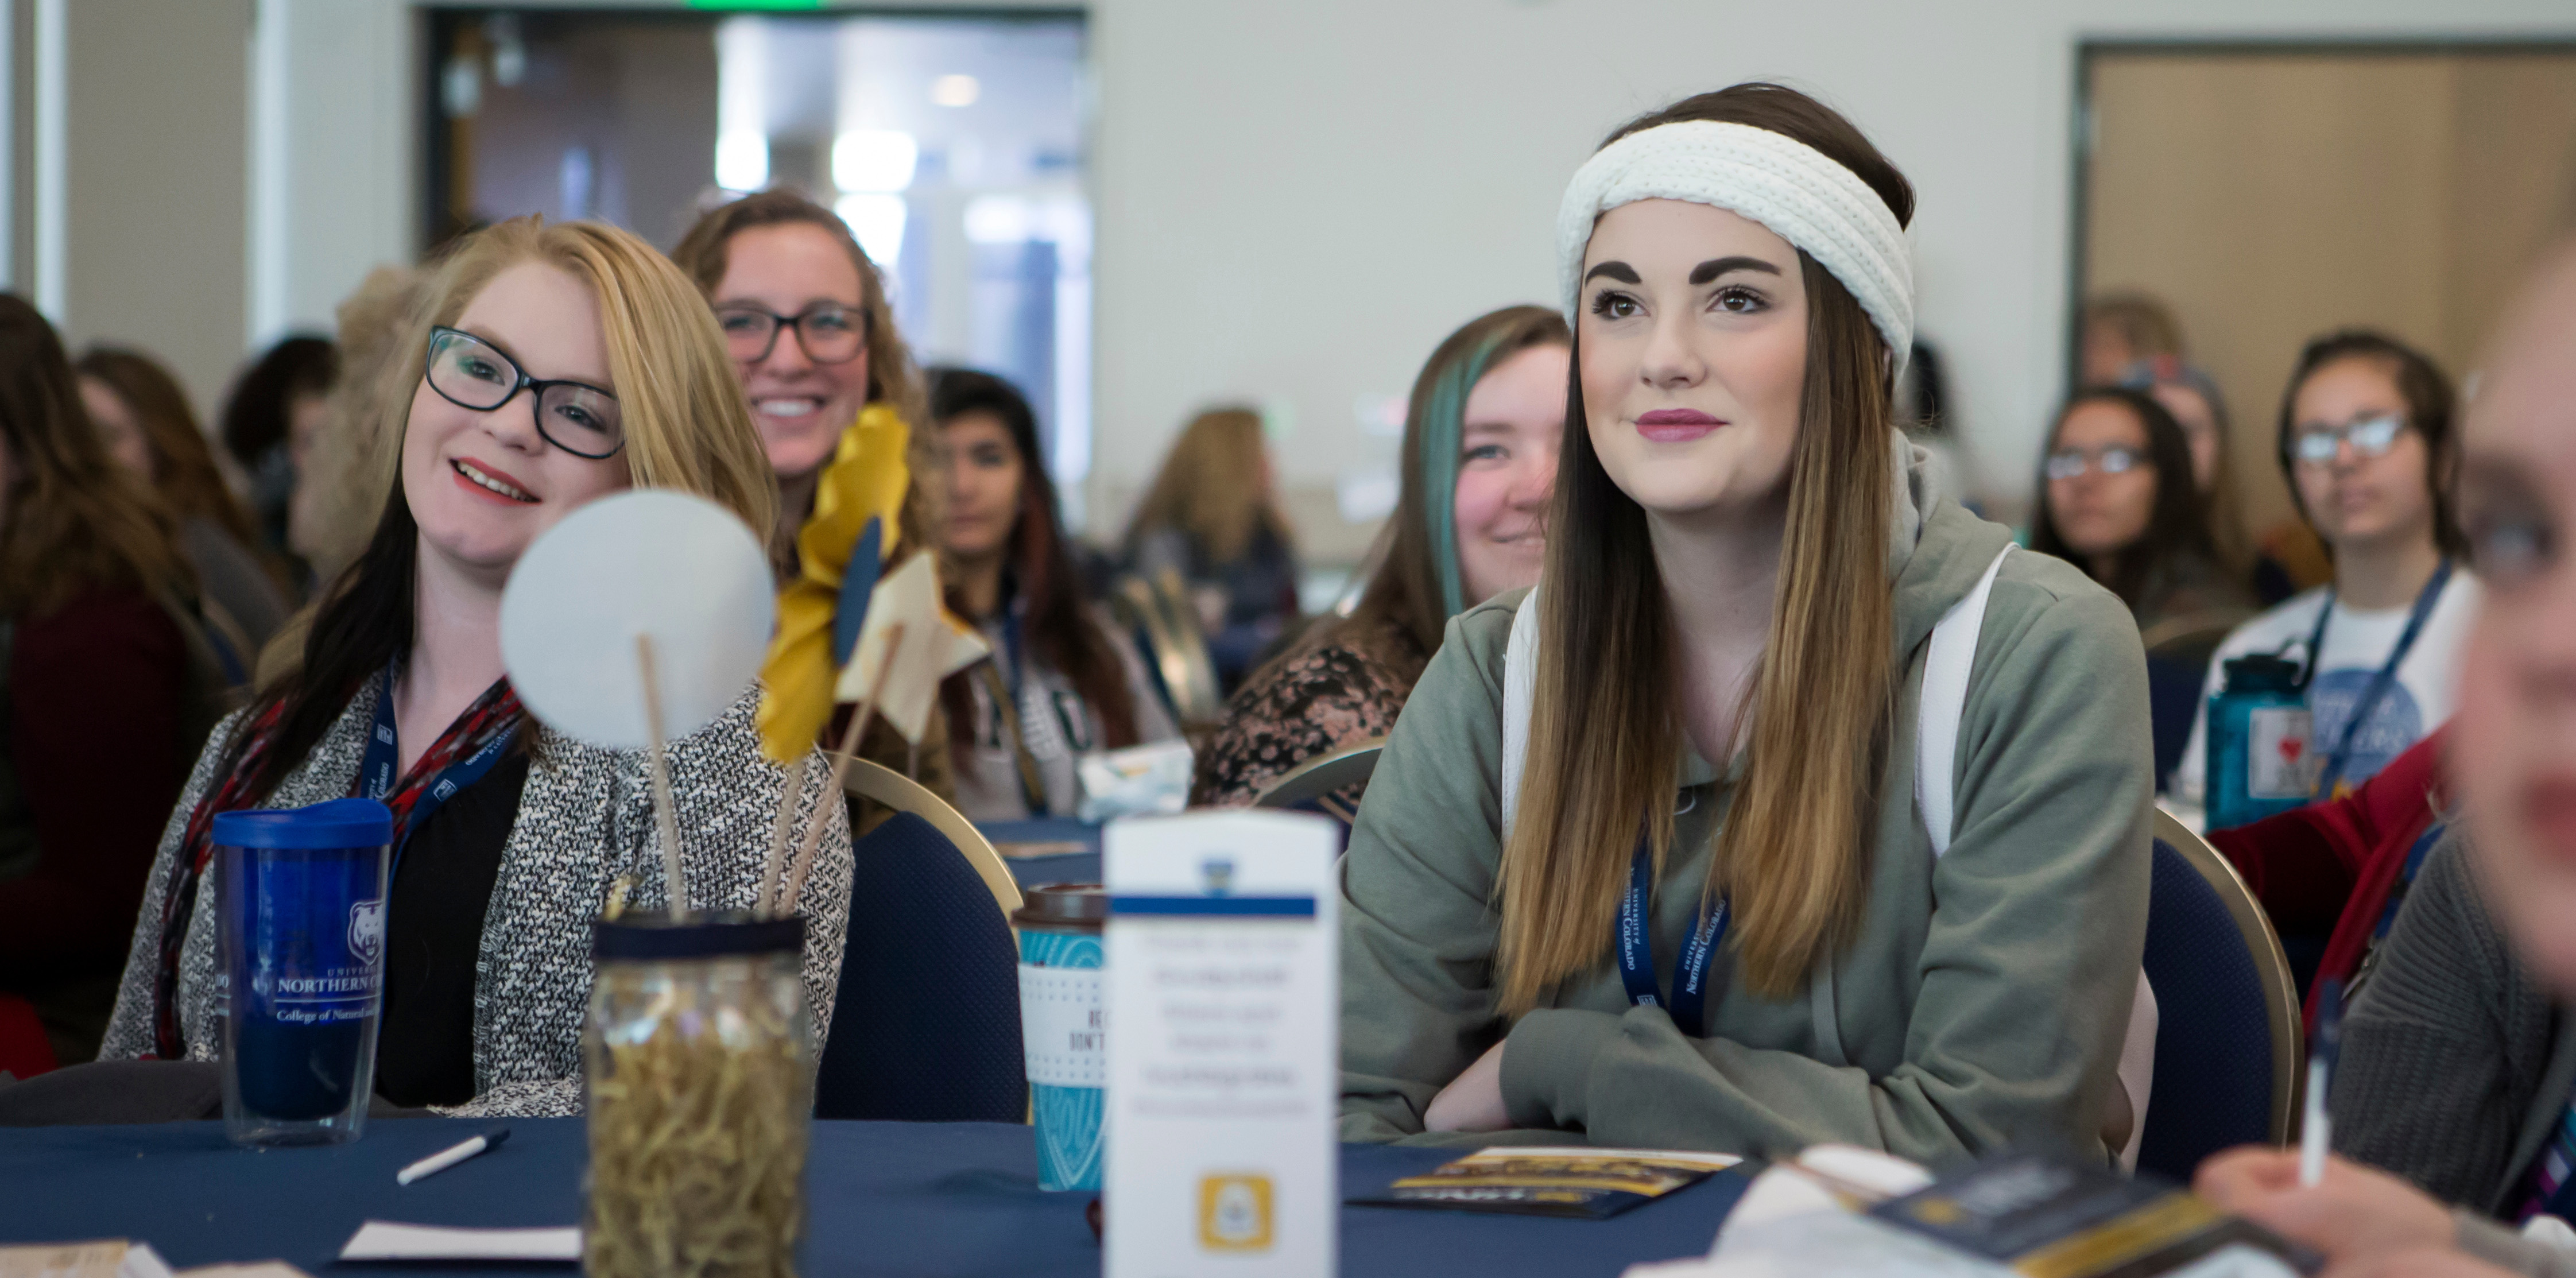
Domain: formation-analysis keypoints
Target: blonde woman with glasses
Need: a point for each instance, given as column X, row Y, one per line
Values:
column 556, row 365
column 2367, row 443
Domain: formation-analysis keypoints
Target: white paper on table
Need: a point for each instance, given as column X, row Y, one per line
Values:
column 1826, row 1244
column 389, row 1240
column 1223, row 1006
column 1786, row 1189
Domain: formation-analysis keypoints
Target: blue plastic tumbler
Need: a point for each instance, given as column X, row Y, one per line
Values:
column 2258, row 750
column 1061, row 1028
column 300, row 895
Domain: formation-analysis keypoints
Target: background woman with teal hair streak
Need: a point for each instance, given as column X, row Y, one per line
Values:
column 1480, row 438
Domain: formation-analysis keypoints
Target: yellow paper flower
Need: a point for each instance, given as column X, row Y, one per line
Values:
column 866, row 479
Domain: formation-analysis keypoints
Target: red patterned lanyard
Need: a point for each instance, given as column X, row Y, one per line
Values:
column 493, row 714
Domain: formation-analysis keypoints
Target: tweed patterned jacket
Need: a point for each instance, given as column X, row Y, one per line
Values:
column 585, row 819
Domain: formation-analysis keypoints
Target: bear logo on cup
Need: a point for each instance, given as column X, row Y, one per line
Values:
column 367, row 930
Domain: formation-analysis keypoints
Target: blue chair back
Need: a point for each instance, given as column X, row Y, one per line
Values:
column 2227, row 1042
column 2173, row 702
column 928, row 1024
column 1326, row 784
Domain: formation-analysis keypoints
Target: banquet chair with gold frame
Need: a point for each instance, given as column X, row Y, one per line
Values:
column 927, row 1028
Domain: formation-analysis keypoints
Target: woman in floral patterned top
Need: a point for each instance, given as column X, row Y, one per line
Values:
column 1480, row 439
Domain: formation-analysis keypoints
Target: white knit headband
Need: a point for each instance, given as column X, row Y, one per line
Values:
column 1786, row 185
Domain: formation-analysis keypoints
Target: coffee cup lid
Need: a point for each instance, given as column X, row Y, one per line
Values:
column 340, row 823
column 1064, row 905
column 644, row 935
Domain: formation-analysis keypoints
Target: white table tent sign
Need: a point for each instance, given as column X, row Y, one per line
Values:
column 1224, row 1003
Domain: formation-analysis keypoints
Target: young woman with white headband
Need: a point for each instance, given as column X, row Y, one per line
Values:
column 1648, row 856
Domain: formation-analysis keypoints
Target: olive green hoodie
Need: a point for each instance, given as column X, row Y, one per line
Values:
column 1982, row 1001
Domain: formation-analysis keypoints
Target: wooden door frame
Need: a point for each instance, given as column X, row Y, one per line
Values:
column 2081, row 133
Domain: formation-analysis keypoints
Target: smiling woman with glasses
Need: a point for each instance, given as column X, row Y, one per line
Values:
column 2367, row 444
column 814, row 343
column 806, row 322
column 557, row 365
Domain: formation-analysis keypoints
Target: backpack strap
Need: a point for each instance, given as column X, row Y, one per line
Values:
column 1520, row 688
column 1946, row 666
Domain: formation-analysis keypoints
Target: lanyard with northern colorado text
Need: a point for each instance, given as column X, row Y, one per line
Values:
column 2328, row 779
column 378, row 772
column 1689, row 1002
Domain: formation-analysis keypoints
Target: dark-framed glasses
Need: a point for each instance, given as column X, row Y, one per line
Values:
column 829, row 332
column 2071, row 463
column 576, row 417
column 2316, row 444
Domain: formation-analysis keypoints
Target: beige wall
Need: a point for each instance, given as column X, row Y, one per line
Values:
column 155, row 180
column 2272, row 198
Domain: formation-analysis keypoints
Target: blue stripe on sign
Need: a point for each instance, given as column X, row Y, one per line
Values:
column 1302, row 907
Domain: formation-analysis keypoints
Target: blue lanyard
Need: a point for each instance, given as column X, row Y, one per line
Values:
column 1011, row 646
column 1689, row 1005
column 2379, row 683
column 377, row 776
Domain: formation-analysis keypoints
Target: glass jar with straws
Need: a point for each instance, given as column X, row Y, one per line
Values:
column 700, row 1058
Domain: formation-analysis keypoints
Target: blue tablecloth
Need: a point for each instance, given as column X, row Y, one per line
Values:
column 1064, row 867
column 884, row 1198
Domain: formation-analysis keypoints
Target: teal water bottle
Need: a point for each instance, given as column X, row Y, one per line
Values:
column 2259, row 751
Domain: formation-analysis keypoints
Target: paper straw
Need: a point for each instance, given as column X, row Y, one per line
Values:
column 776, row 865
column 841, row 760
column 662, row 813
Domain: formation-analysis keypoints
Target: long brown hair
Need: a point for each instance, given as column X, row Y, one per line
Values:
column 1210, row 488
column 1405, row 593
column 686, row 428
column 183, row 466
column 1061, row 629
column 75, row 520
column 1794, row 852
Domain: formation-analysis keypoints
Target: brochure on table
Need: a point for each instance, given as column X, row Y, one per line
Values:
column 1224, row 1053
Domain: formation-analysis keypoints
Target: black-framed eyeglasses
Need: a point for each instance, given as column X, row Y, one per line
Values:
column 2069, row 463
column 828, row 332
column 2315, row 444
column 576, row 417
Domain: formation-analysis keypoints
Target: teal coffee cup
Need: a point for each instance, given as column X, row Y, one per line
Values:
column 1061, row 1029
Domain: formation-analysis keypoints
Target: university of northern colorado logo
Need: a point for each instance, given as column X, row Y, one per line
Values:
column 367, row 930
